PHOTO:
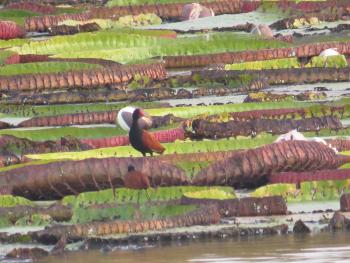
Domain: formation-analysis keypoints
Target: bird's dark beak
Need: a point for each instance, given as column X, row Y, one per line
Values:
column 142, row 113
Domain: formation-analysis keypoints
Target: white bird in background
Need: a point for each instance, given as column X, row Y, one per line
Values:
column 329, row 52
column 263, row 30
column 325, row 54
column 122, row 117
column 294, row 135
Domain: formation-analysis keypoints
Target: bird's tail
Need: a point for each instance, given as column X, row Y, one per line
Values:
column 160, row 150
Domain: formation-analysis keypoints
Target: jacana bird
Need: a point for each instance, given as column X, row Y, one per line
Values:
column 142, row 140
column 137, row 181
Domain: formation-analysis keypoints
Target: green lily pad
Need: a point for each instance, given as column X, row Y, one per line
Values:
column 11, row 201
column 44, row 67
column 34, row 220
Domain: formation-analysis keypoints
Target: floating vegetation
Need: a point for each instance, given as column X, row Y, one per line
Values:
column 112, row 3
column 124, row 21
column 34, row 220
column 268, row 96
column 9, row 30
column 44, row 67
column 210, row 194
column 216, row 130
column 33, row 7
column 72, row 174
column 169, row 11
column 139, row 20
column 332, row 62
column 81, row 78
column 305, row 22
column 134, row 46
column 11, row 201
column 8, row 57
column 17, row 16
column 274, row 57
column 324, row 190
column 125, row 195
column 234, row 111
column 251, row 168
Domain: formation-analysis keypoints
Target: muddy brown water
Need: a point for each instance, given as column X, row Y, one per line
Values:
column 323, row 247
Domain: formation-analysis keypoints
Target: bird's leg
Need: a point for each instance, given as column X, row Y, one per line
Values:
column 137, row 213
column 157, row 198
column 147, row 194
column 138, row 198
column 114, row 196
column 297, row 189
column 60, row 245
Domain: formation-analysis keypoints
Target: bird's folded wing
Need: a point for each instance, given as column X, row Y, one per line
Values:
column 151, row 142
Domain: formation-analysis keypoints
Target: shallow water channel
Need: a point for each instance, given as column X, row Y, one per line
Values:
column 323, row 247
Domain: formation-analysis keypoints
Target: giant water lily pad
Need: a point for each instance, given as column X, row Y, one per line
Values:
column 179, row 147
column 256, row 17
column 11, row 201
column 44, row 67
column 321, row 28
column 133, row 46
column 124, row 195
column 34, row 220
column 309, row 191
column 127, row 212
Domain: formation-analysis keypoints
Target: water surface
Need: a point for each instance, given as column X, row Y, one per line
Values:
column 323, row 247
